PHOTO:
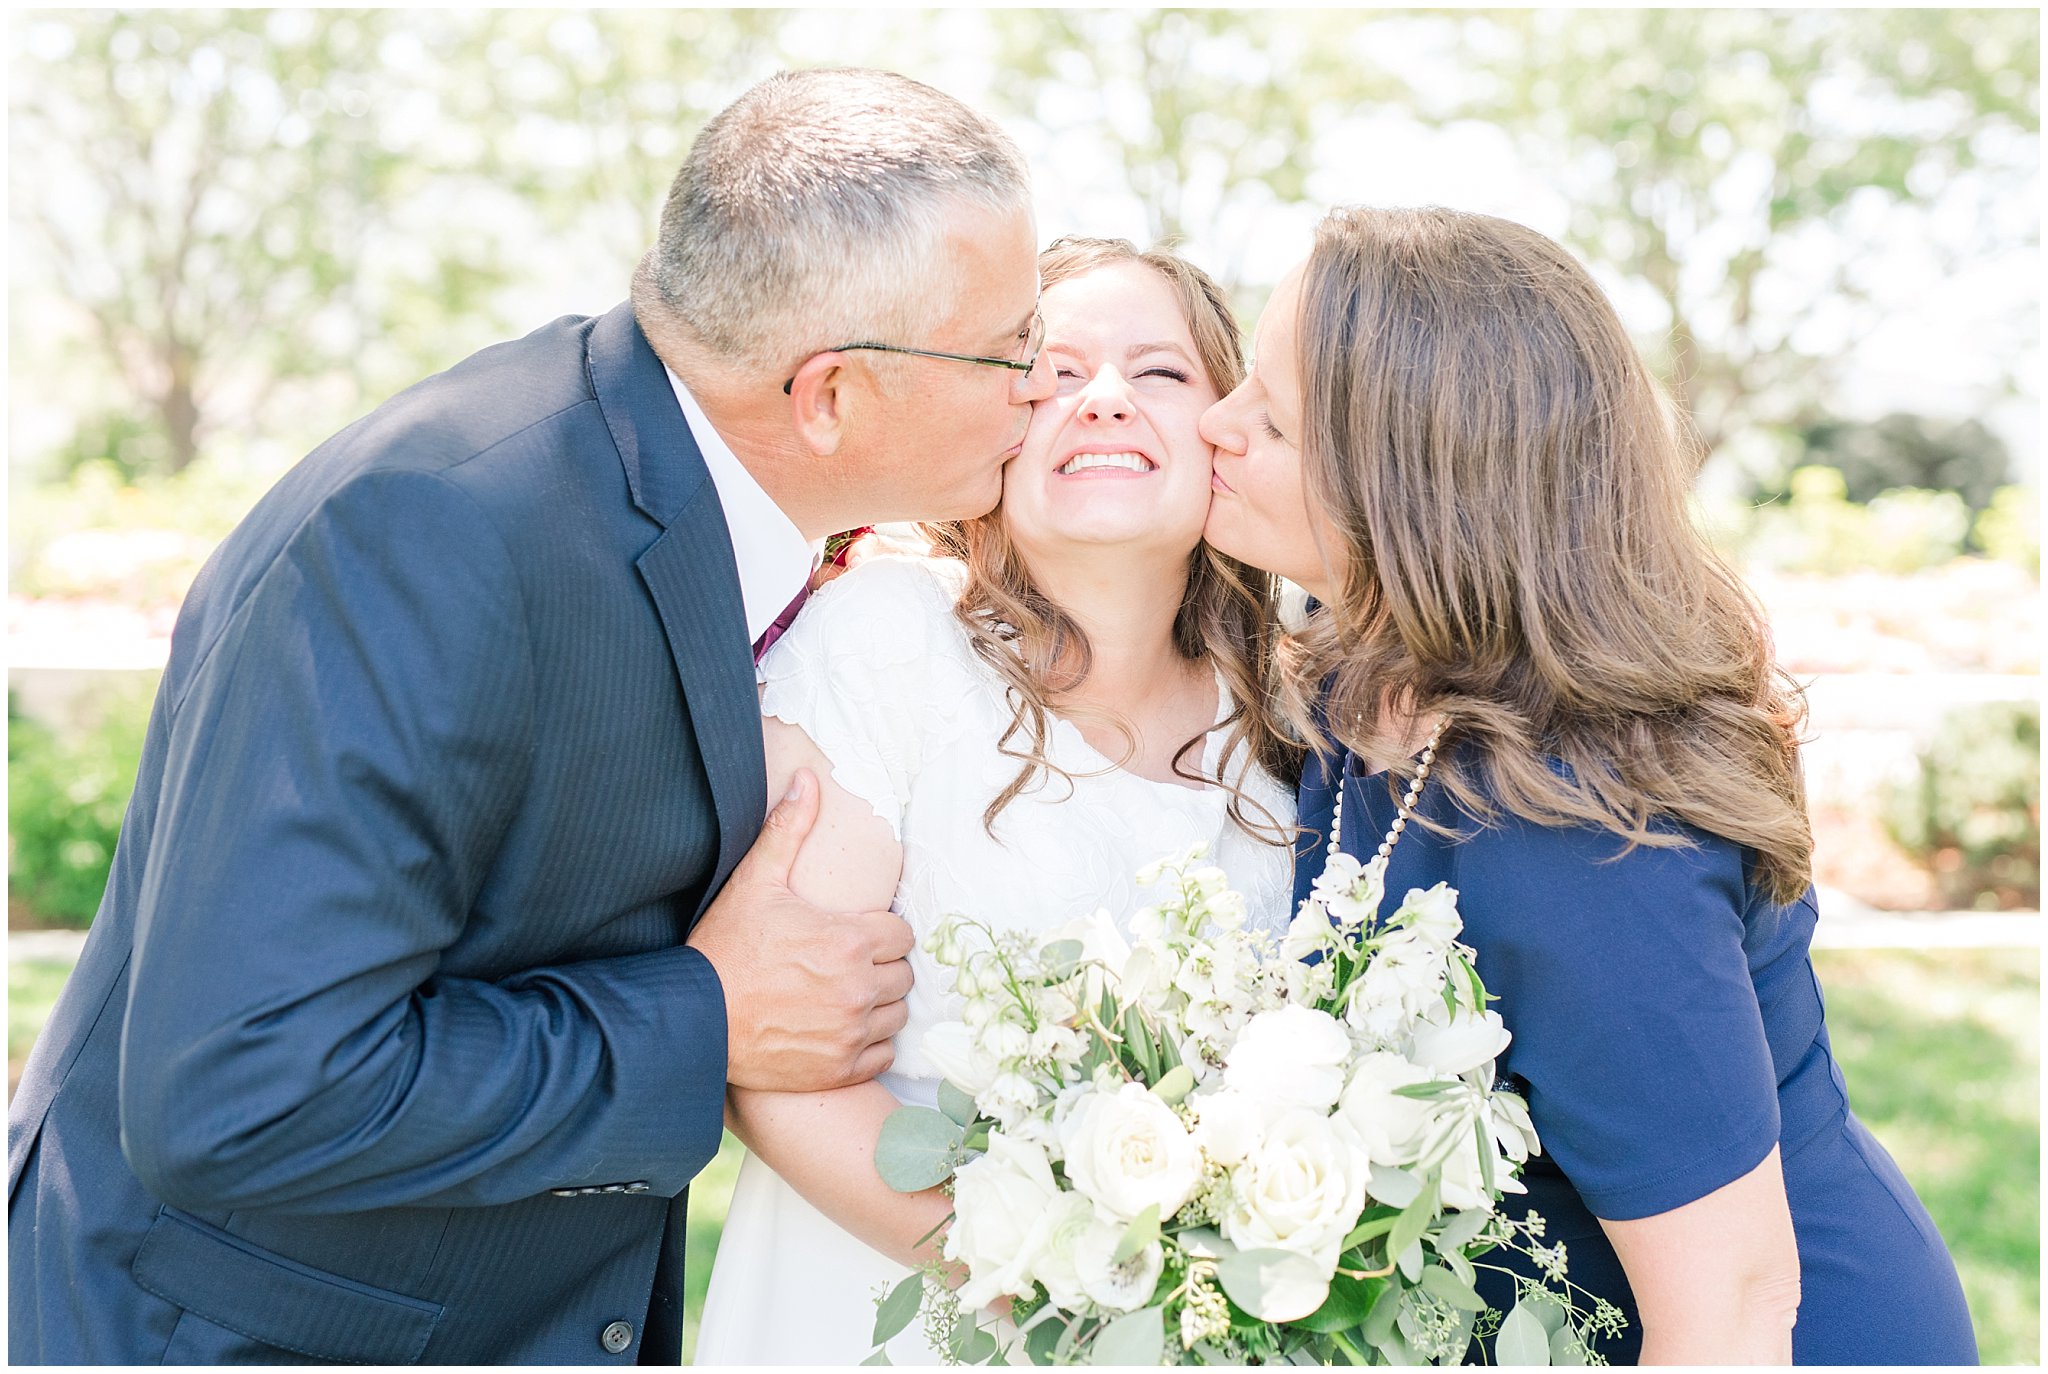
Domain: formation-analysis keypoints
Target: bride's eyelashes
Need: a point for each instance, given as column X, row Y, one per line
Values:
column 1266, row 423
column 1069, row 374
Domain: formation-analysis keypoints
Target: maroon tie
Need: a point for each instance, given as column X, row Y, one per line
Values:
column 782, row 622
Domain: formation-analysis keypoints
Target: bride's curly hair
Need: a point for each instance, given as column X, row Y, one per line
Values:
column 1227, row 613
column 1508, row 487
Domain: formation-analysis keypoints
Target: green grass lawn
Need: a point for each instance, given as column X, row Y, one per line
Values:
column 1942, row 1054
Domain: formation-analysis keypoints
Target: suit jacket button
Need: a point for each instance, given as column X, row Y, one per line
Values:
column 616, row 1338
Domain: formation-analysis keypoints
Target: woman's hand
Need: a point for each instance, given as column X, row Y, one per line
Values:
column 1717, row 1280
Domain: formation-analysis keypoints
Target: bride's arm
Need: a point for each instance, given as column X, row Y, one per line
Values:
column 823, row 1144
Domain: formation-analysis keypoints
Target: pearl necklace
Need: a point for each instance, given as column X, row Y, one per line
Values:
column 1386, row 849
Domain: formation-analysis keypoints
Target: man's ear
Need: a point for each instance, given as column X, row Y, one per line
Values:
column 819, row 397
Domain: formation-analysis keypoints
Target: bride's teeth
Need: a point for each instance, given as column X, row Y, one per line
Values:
column 1082, row 462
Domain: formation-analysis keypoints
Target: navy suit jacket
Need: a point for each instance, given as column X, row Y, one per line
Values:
column 457, row 738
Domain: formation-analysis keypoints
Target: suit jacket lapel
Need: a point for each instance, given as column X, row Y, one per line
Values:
column 692, row 575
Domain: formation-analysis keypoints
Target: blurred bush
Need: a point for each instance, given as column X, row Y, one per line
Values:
column 1817, row 528
column 66, row 793
column 1911, row 451
column 1973, row 812
column 139, row 542
column 2010, row 529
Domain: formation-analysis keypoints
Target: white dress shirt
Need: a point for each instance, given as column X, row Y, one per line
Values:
column 775, row 560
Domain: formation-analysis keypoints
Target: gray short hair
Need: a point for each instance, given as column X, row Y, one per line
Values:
column 811, row 211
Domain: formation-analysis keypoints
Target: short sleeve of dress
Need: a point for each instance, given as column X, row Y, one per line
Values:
column 870, row 670
column 1635, row 1018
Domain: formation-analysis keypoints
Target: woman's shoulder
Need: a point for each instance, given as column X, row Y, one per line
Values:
column 1540, row 859
column 890, row 608
column 890, row 581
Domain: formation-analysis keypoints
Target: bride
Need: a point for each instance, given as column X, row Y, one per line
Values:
column 1011, row 733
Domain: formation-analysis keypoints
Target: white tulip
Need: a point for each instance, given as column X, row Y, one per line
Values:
column 1227, row 1124
column 1387, row 1128
column 1290, row 1057
column 1453, row 1045
column 960, row 1057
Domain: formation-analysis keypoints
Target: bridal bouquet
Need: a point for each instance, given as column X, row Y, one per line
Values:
column 1206, row 1145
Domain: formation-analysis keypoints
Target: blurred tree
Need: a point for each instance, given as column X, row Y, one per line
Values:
column 1897, row 451
column 1739, row 163
column 205, row 188
column 589, row 112
column 1201, row 109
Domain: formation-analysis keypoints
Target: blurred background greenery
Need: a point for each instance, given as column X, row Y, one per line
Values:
column 235, row 231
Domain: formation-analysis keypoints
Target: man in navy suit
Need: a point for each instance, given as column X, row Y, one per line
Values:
column 439, row 920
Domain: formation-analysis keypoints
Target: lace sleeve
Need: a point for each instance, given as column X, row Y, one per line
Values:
column 869, row 671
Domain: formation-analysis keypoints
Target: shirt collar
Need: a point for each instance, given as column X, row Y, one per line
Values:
column 774, row 558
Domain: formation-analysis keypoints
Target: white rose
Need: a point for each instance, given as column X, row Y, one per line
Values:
column 1452, row 1045
column 1003, row 1206
column 1290, row 1057
column 1127, row 1151
column 1119, row 1287
column 1071, row 1217
column 961, row 1057
column 1385, row 1127
column 1300, row 1189
column 1227, row 1124
column 1433, row 915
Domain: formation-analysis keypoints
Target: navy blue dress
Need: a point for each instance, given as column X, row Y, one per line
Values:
column 1668, row 1031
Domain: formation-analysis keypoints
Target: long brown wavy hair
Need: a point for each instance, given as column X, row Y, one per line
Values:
column 1510, row 487
column 1227, row 613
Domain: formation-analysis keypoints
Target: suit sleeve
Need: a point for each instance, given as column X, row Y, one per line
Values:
column 342, row 766
column 1636, row 1023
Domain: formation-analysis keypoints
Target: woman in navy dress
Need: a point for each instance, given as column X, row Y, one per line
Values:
column 1449, row 440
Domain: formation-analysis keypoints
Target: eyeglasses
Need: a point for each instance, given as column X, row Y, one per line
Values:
column 1034, row 340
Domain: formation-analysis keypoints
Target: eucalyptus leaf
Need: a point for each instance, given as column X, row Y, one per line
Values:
column 1462, row 1267
column 1205, row 1242
column 1274, row 1285
column 918, row 1149
column 1522, row 1339
column 1174, row 1085
column 895, row 1311
column 978, row 1348
column 1395, row 1187
column 1143, row 1230
column 1565, row 1348
column 1134, row 1338
column 1442, row 1283
column 1059, row 959
column 1394, row 1346
column 1413, row 1221
column 957, row 1104
column 1410, row 1263
column 1549, row 1310
column 879, row 1357
column 1371, row 1227
column 1461, row 1229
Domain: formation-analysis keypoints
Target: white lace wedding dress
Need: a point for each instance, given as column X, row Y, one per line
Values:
column 880, row 675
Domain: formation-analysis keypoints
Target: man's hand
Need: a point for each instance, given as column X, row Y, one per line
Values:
column 812, row 997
